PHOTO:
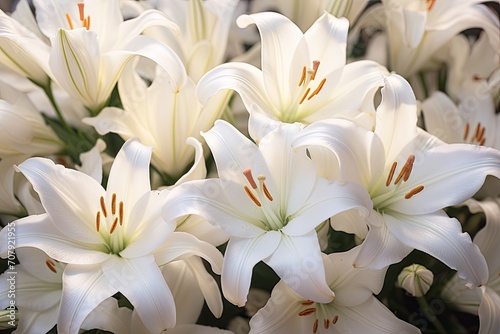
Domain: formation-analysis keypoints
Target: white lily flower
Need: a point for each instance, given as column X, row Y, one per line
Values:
column 304, row 76
column 86, row 59
column 269, row 199
column 354, row 309
column 163, row 119
column 417, row 29
column 474, row 120
column 411, row 176
column 106, row 237
column 204, row 27
column 483, row 301
column 38, row 281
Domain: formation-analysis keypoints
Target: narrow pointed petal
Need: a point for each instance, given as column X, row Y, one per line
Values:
column 328, row 199
column 373, row 317
column 71, row 211
column 38, row 231
column 298, row 262
column 447, row 183
column 232, row 151
column 415, row 21
column 360, row 79
column 85, row 287
column 240, row 258
column 441, row 237
column 183, row 245
column 129, row 175
column 352, row 286
column 149, row 294
column 380, row 248
column 199, row 170
column 207, row 284
column 92, row 161
column 207, row 198
column 134, row 27
column 333, row 53
column 489, row 312
column 396, row 116
column 351, row 146
column 30, row 321
column 108, row 316
column 280, row 314
column 243, row 78
column 280, row 38
column 487, row 238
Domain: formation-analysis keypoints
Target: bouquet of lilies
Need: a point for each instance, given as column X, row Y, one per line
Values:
column 225, row 166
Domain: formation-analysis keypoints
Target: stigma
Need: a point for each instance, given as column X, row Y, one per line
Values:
column 85, row 21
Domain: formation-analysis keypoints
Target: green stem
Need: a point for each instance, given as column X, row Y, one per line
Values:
column 430, row 315
column 48, row 91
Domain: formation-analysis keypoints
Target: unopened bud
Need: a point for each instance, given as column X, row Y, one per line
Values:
column 416, row 280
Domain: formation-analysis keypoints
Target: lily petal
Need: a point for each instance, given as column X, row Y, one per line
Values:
column 280, row 38
column 380, row 248
column 444, row 181
column 109, row 316
column 444, row 240
column 298, row 262
column 240, row 258
column 489, row 312
column 243, row 78
column 328, row 199
column 37, row 321
column 149, row 294
column 183, row 245
column 207, row 198
column 372, row 317
column 331, row 29
column 71, row 211
column 39, row 231
column 396, row 116
column 84, row 288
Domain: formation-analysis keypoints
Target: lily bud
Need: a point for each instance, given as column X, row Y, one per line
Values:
column 416, row 280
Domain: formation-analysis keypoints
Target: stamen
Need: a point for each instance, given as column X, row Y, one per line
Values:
column 478, row 128
column 87, row 24
column 81, row 11
column 305, row 95
column 307, row 311
column 51, row 266
column 98, row 221
column 248, row 174
column 318, row 89
column 120, row 213
column 315, row 326
column 481, row 143
column 113, row 227
column 103, row 207
column 303, row 76
column 326, row 323
column 414, row 191
column 481, row 134
column 307, row 302
column 266, row 192
column 406, row 170
column 252, row 196
column 113, row 203
column 70, row 22
column 335, row 319
column 391, row 174
column 466, row 134
column 430, row 4
column 315, row 69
